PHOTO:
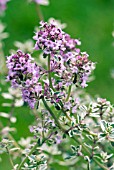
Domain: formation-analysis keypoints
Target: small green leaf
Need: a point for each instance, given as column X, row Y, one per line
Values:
column 68, row 157
column 39, row 142
column 64, row 136
column 73, row 148
column 112, row 143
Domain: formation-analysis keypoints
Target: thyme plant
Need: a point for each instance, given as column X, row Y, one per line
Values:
column 71, row 128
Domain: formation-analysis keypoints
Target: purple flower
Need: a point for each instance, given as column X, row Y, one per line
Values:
column 53, row 40
column 25, row 74
column 58, row 139
column 68, row 66
column 71, row 65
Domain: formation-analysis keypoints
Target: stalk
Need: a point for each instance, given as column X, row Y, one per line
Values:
column 52, row 114
column 39, row 12
column 49, row 74
column 10, row 159
column 25, row 159
column 32, row 150
column 75, row 139
column 69, row 92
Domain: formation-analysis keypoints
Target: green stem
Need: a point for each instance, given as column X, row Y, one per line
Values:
column 65, row 113
column 39, row 12
column 75, row 139
column 43, row 136
column 33, row 149
column 25, row 159
column 49, row 74
column 53, row 115
column 12, row 138
column 10, row 159
column 69, row 91
column 14, row 142
column 100, row 165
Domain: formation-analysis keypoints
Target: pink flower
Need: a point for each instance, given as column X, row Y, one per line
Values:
column 3, row 5
column 42, row 2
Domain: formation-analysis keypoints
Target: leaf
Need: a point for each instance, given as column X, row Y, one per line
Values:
column 103, row 125
column 45, row 55
column 87, row 158
column 14, row 149
column 88, row 165
column 112, row 124
column 64, row 136
column 103, row 134
column 97, row 156
column 109, row 156
column 94, row 115
column 112, row 143
column 57, row 106
column 90, row 137
column 3, row 114
column 39, row 143
column 73, row 148
column 57, row 92
column 97, row 147
column 68, row 157
column 87, row 145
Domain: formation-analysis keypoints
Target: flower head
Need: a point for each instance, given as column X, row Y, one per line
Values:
column 25, row 74
column 67, row 61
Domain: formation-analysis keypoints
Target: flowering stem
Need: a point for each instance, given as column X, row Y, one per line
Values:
column 66, row 115
column 39, row 12
column 43, row 136
column 10, row 159
column 75, row 139
column 12, row 138
column 53, row 115
column 84, row 147
column 25, row 159
column 14, row 142
column 69, row 91
column 32, row 150
column 49, row 75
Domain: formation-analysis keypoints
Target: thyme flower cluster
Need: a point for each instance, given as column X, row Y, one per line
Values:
column 67, row 61
column 68, row 116
column 23, row 73
column 67, row 66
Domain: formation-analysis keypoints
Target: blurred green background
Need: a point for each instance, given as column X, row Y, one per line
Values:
column 90, row 20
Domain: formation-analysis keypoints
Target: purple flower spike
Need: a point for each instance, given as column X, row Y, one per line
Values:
column 25, row 74
column 67, row 61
